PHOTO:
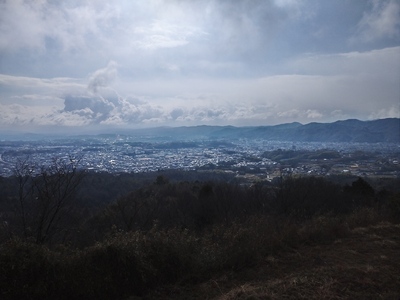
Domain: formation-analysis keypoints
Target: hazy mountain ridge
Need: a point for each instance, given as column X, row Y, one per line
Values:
column 351, row 130
column 382, row 130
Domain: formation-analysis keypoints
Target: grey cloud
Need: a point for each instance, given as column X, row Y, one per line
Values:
column 111, row 109
column 176, row 113
column 162, row 34
column 95, row 110
column 382, row 62
column 19, row 115
column 382, row 21
column 41, row 24
column 102, row 77
column 241, row 27
column 320, row 87
column 142, row 34
column 391, row 112
column 96, row 104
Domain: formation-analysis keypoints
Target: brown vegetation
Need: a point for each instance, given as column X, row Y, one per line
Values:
column 363, row 265
column 300, row 238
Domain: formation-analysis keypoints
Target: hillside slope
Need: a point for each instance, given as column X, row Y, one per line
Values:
column 364, row 265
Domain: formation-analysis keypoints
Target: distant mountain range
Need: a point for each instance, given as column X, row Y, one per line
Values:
column 376, row 131
column 382, row 130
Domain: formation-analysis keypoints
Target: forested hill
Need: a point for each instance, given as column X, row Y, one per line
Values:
column 351, row 130
column 376, row 131
column 384, row 130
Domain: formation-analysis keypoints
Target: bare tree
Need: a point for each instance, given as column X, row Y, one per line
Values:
column 23, row 173
column 47, row 193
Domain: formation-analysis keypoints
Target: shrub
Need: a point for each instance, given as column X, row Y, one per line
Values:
column 394, row 207
column 243, row 226
column 28, row 271
column 362, row 217
column 304, row 197
column 106, row 271
column 323, row 229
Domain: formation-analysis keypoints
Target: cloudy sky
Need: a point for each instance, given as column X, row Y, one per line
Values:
column 100, row 64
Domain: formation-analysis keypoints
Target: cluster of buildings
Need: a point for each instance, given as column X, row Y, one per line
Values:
column 244, row 157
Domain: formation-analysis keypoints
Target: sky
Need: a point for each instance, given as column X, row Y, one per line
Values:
column 95, row 64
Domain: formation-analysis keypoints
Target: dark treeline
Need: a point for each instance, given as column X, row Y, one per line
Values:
column 126, row 202
column 94, row 192
column 199, row 205
column 68, row 234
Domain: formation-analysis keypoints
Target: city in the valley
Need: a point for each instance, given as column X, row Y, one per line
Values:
column 251, row 159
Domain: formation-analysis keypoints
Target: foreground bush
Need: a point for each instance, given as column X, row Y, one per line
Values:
column 201, row 229
column 132, row 263
column 29, row 271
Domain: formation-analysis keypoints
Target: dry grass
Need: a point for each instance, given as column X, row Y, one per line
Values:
column 352, row 256
column 363, row 265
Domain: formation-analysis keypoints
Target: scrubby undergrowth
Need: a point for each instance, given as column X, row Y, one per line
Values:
column 156, row 260
column 363, row 265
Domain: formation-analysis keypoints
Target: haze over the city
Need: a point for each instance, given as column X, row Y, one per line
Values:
column 80, row 65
